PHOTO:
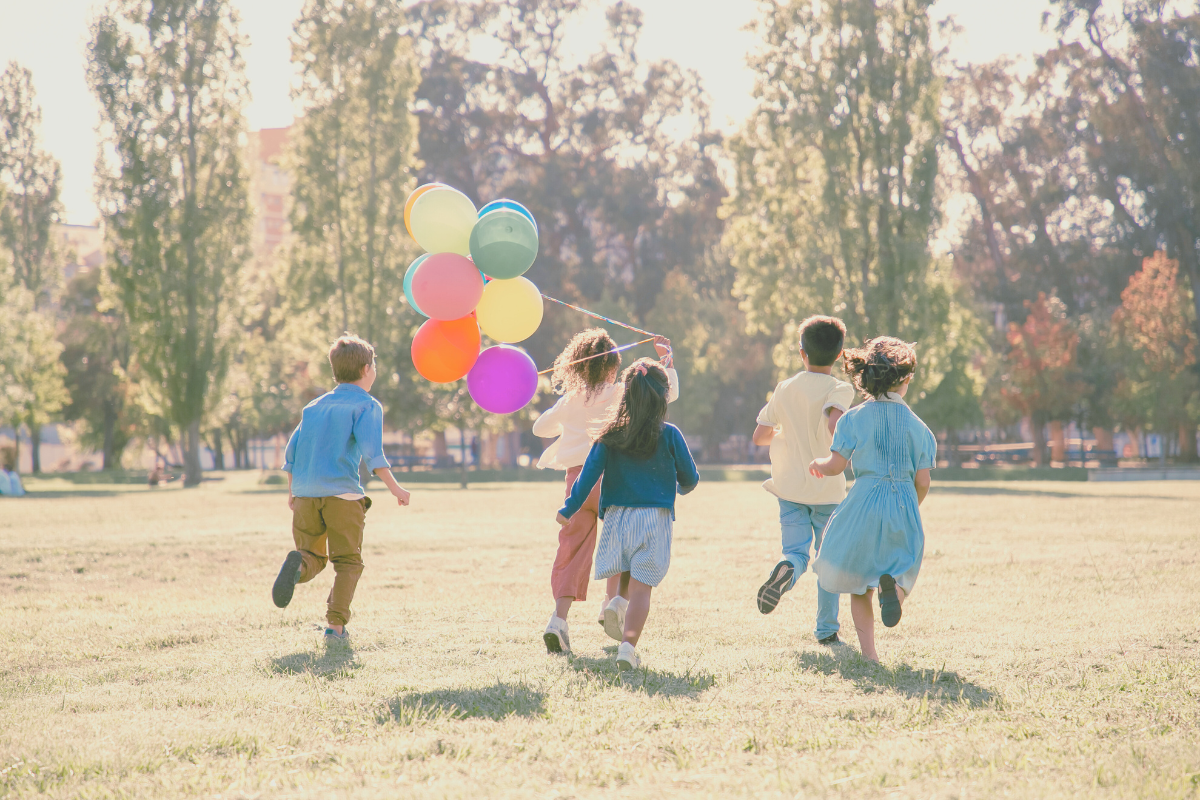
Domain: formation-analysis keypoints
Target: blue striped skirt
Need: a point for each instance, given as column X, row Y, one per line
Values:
column 637, row 541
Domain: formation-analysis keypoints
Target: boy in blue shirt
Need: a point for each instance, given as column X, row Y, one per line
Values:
column 337, row 431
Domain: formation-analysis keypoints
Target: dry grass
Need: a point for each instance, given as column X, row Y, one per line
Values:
column 1049, row 651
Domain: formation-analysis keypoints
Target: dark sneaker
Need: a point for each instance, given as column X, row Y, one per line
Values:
column 779, row 582
column 889, row 601
column 285, row 584
column 830, row 640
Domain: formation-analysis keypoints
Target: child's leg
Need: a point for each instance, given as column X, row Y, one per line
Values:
column 576, row 545
column 639, row 608
column 797, row 524
column 309, row 534
column 345, row 520
column 827, row 602
column 864, row 624
column 622, row 584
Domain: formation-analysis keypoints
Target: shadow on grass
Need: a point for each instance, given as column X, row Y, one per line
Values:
column 334, row 664
column 936, row 684
column 490, row 702
column 651, row 681
column 1004, row 491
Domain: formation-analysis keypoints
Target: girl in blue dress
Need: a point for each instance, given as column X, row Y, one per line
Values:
column 874, row 539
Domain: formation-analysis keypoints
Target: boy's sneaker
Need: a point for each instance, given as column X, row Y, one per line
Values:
column 779, row 582
column 627, row 657
column 285, row 584
column 830, row 640
column 332, row 637
column 889, row 601
column 614, row 618
column 556, row 637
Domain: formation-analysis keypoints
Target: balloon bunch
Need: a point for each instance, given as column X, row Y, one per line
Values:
column 470, row 280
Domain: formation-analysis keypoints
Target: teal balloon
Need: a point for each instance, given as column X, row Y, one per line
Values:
column 408, row 276
column 504, row 244
column 512, row 205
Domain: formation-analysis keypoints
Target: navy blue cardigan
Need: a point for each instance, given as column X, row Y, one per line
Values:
column 636, row 482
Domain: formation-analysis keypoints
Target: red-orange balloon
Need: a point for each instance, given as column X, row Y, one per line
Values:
column 444, row 351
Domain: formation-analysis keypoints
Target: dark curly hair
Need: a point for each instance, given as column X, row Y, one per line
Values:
column 880, row 365
column 637, row 423
column 586, row 376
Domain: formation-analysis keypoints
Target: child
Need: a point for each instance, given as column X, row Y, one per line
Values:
column 337, row 431
column 798, row 422
column 643, row 460
column 875, row 538
column 584, row 373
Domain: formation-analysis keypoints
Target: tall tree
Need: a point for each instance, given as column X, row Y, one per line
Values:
column 351, row 159
column 1156, row 352
column 615, row 157
column 170, row 80
column 835, row 198
column 32, row 177
column 31, row 376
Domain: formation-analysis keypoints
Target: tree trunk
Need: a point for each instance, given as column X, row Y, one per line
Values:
column 1058, row 443
column 1104, row 442
column 16, row 426
column 1039, row 440
column 440, row 451
column 218, row 450
column 35, row 447
column 191, row 456
column 1187, row 442
column 952, row 456
column 110, row 425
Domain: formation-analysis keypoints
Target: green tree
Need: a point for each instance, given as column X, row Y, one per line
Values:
column 835, row 175
column 32, row 177
column 171, row 84
column 31, row 376
column 96, row 356
column 351, row 158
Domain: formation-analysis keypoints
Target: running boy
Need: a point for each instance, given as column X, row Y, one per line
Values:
column 798, row 422
column 337, row 431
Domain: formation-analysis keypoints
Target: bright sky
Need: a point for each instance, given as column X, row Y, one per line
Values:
column 49, row 38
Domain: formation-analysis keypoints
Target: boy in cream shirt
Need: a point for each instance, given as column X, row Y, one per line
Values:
column 798, row 422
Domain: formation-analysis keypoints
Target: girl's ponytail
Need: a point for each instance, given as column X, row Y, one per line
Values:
column 880, row 365
column 636, row 424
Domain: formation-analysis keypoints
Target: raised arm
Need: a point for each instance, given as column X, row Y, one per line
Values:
column 593, row 468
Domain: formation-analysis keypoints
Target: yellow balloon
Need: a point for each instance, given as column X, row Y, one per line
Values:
column 442, row 219
column 510, row 311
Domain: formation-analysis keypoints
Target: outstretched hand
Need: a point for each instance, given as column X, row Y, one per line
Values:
column 814, row 468
column 662, row 346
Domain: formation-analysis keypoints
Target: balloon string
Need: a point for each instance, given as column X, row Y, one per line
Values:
column 597, row 316
column 597, row 355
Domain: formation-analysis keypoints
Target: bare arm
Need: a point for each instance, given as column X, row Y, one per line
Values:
column 763, row 435
column 834, row 415
column 398, row 491
column 833, row 464
column 921, row 481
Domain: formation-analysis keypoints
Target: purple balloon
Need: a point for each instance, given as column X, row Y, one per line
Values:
column 503, row 380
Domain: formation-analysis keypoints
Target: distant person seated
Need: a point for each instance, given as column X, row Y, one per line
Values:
column 10, row 483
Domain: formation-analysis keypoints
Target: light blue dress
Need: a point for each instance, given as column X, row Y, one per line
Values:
column 877, row 529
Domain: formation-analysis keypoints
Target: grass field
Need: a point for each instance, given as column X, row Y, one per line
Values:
column 1049, row 650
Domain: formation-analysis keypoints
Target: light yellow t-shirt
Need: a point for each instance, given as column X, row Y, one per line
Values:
column 797, row 412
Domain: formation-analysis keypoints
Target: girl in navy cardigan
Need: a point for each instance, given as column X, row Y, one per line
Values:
column 644, row 462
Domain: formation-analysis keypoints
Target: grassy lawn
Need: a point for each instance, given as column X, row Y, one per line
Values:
column 1049, row 650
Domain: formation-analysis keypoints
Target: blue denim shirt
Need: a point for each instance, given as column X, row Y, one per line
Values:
column 636, row 482
column 337, row 431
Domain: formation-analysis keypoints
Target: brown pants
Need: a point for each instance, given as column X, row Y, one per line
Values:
column 576, row 546
column 331, row 529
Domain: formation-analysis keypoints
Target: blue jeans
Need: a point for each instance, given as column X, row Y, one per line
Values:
column 802, row 527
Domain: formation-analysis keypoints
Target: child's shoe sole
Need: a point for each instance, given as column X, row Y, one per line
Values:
column 889, row 602
column 613, row 624
column 626, row 666
column 771, row 591
column 553, row 643
column 285, row 584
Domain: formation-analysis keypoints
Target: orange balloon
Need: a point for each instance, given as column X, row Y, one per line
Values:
column 445, row 350
column 412, row 198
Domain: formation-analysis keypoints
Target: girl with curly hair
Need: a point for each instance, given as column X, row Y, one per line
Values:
column 875, row 540
column 585, row 374
column 644, row 462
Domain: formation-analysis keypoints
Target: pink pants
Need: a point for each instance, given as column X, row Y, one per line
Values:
column 576, row 545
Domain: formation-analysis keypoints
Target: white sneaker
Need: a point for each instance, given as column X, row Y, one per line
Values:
column 614, row 618
column 627, row 657
column 556, row 636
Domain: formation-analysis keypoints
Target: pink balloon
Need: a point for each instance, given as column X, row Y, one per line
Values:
column 447, row 286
